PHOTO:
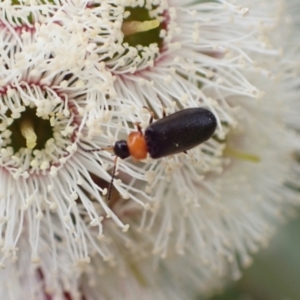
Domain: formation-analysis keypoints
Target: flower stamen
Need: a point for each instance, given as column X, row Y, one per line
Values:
column 27, row 130
column 132, row 27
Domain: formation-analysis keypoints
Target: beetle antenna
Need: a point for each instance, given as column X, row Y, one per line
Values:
column 110, row 148
column 112, row 179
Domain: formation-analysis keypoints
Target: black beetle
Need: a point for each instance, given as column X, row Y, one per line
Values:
column 175, row 133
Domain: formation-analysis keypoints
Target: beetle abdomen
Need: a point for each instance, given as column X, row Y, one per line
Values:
column 179, row 132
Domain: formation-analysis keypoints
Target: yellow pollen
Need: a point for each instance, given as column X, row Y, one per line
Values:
column 241, row 155
column 132, row 27
column 28, row 133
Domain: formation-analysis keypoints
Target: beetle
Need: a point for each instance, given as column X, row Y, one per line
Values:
column 175, row 133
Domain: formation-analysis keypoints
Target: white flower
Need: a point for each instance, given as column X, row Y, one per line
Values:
column 74, row 77
column 43, row 110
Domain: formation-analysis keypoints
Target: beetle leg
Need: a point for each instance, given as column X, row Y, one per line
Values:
column 162, row 105
column 185, row 152
column 138, row 126
column 112, row 179
column 164, row 112
column 151, row 114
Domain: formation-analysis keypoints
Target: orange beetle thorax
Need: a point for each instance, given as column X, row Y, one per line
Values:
column 137, row 145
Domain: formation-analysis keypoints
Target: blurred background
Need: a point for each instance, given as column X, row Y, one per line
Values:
column 275, row 272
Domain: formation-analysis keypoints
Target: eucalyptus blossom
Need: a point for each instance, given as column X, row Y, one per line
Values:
column 75, row 78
